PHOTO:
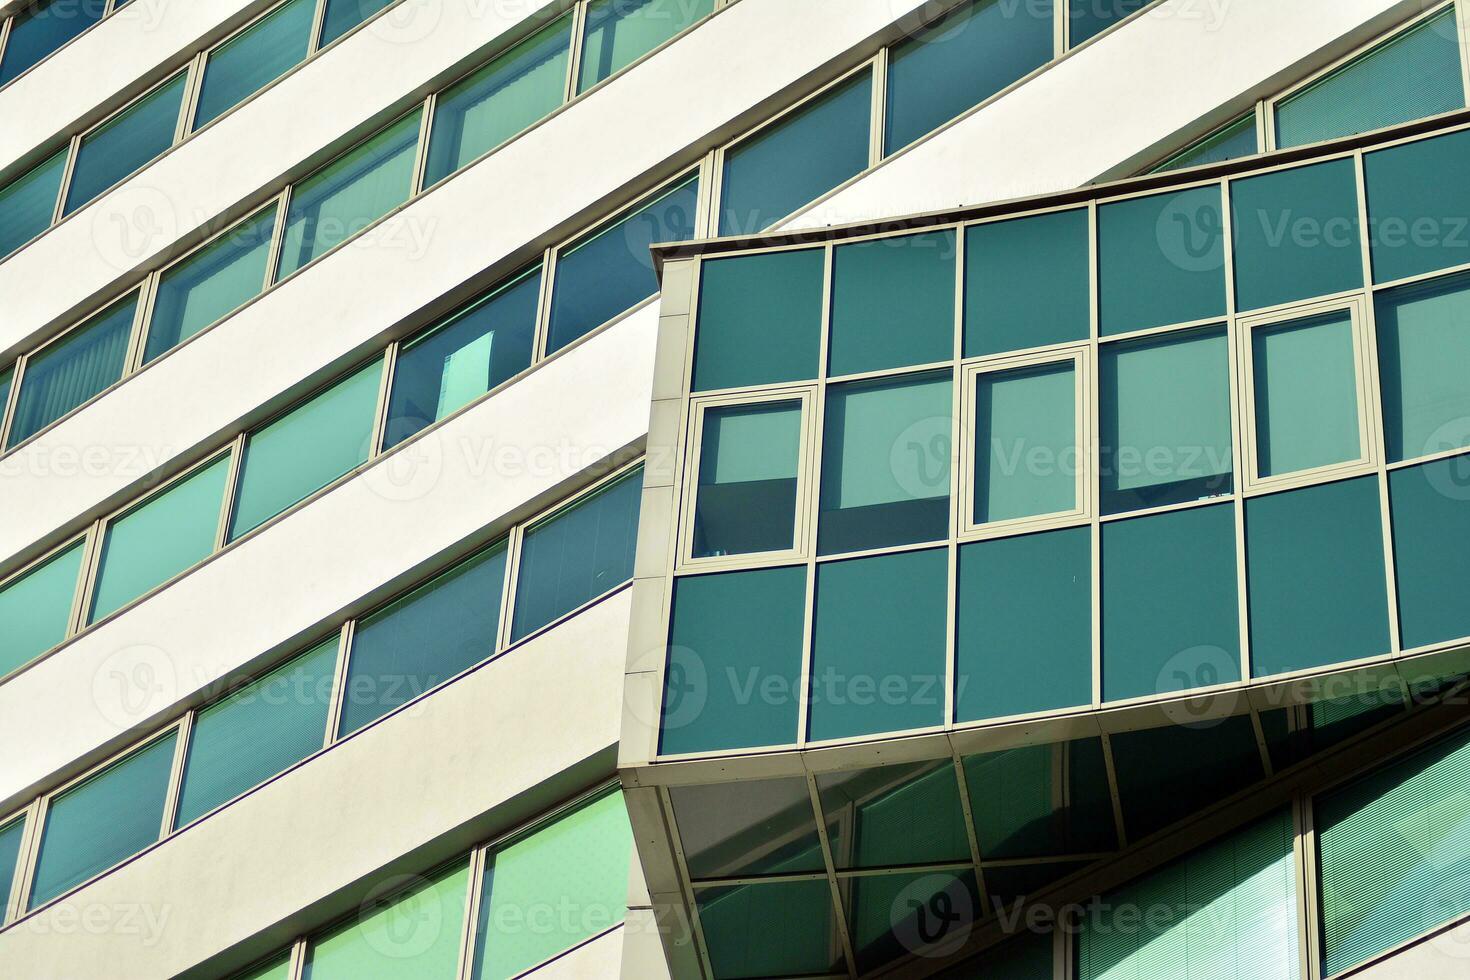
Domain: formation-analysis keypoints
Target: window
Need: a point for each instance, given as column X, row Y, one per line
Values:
column 343, row 15
column 893, row 303
column 278, row 968
column 28, row 202
column 619, row 32
column 1158, row 770
column 749, row 459
column 415, row 934
column 1423, row 342
column 1041, row 800
column 1027, row 434
column 1431, row 545
column 1161, row 260
column 112, row 152
column 43, row 26
column 10, row 839
column 1091, row 17
column 1027, row 282
column 1417, row 212
column 1229, row 142
column 760, row 319
column 771, row 929
column 775, row 810
column 872, row 813
column 250, row 61
column 35, row 608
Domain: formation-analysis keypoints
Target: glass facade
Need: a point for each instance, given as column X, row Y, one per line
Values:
column 109, row 154
column 72, row 370
column 254, row 58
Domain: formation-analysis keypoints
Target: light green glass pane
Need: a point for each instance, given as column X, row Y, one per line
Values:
column 1025, row 443
column 887, row 816
column 1027, row 282
column 775, row 830
column 278, row 968
column 1161, row 260
column 578, row 863
column 1041, row 800
column 619, row 32
column 248, row 63
column 10, row 837
column 894, row 916
column 412, row 935
column 125, row 143
column 306, row 449
column 1431, row 544
column 893, row 303
column 1423, row 346
column 35, row 608
column 748, row 458
column 27, row 203
column 1230, row 142
column 760, row 319
column 777, row 929
column 1159, row 769
column 153, row 542
column 343, row 15
column 72, row 370
column 1418, row 208
column 1306, row 392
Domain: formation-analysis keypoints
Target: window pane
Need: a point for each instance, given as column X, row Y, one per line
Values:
column 885, row 463
column 258, row 731
column 774, row 812
column 1295, row 542
column 42, row 27
column 775, row 929
column 343, row 15
column 1025, row 442
column 27, row 203
column 424, row 639
column 306, row 449
column 889, row 915
column 1306, row 391
column 474, row 116
column 888, row 816
column 278, row 969
column 110, row 817
column 484, row 344
column 1091, row 17
column 1161, row 260
column 1028, row 283
column 1159, row 770
column 1413, row 75
column 1235, row 140
column 35, row 608
column 1165, row 423
column 153, row 542
column 619, row 32
column 1423, row 344
column 798, row 159
column 349, row 194
column 209, row 284
column 878, row 644
column 1418, row 212
column 612, row 270
column 748, row 459
column 72, row 370
column 111, row 153
column 1026, row 958
column 1431, row 544
column 10, row 836
column 1041, row 800
column 413, row 935
column 248, row 63
column 1170, row 615
column 893, row 303
column 760, row 319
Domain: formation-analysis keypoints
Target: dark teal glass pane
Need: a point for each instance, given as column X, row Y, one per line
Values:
column 477, row 348
column 1041, row 800
column 612, row 270
column 423, row 639
column 1423, row 345
column 962, row 61
column 888, row 816
column 748, row 459
column 1026, row 452
column 10, row 837
column 125, row 143
column 248, row 63
column 1306, row 390
column 1431, row 545
column 35, row 608
column 1162, row 771
column 1024, row 640
column 619, row 32
column 343, row 15
column 1027, row 283
column 1296, row 542
column 108, row 818
column 734, row 667
column 778, row 929
column 43, row 26
column 1235, row 140
column 1161, row 260
column 760, row 319
column 878, row 645
column 27, row 203
column 1010, row 885
column 1418, row 209
column 577, row 555
column 72, row 370
column 1170, row 615
column 893, row 303
column 777, row 832
column 899, row 915
column 795, row 161
column 1091, row 17
column 1026, row 958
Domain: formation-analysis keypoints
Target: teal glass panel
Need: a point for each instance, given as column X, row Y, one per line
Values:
column 252, row 60
column 1041, row 800
column 1418, row 209
column 1413, row 75
column 1026, row 453
column 10, row 838
column 579, row 862
column 125, row 143
column 106, row 819
column 885, row 463
column 1026, row 958
column 27, row 203
column 209, row 284
column 35, row 608
column 1159, row 770
column 1027, row 283
column 1329, row 721
column 797, row 159
column 349, row 194
column 72, row 370
column 43, row 26
column 577, row 554
column 611, row 270
column 776, row 832
column 306, row 449
column 256, row 732
column 159, row 538
column 1230, row 142
column 887, row 816
column 1431, row 545
column 1011, row 885
column 893, row 303
column 748, row 458
column 1024, row 640
column 878, row 646
column 1423, row 345
column 1296, row 541
column 410, row 935
column 6, row 376
column 343, row 15
column 479, row 347
column 1170, row 613
column 1306, row 390
column 760, row 319
column 898, row 915
column 619, row 32
column 1091, row 17
column 1165, row 423
column 734, row 660
column 775, row 929
column 1161, row 260
column 474, row 116
column 423, row 639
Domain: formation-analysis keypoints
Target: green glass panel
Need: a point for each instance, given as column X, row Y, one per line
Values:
column 161, row 537
column 619, row 32
column 1026, row 452
column 760, row 319
column 1296, row 234
column 343, row 15
column 27, row 203
column 306, row 449
column 889, row 816
column 893, row 303
column 278, row 968
column 1041, row 800
column 1011, row 885
column 474, row 116
column 1170, row 613
column 1024, row 639
column 349, row 194
column 10, row 837
column 776, row 929
column 1295, row 542
column 258, row 731
column 1160, row 770
column 578, row 863
column 1306, row 392
column 1025, row 958
column 899, row 915
column 1418, row 207
column 1230, row 142
column 6, row 377
column 42, row 28
column 1431, row 545
column 125, row 143
column 252, row 60
column 410, row 935
column 1161, row 260
column 106, row 819
column 1027, row 283
column 878, row 647
column 35, row 608
column 885, row 463
column 72, row 370
column 748, row 458
column 772, row 831
column 1091, row 17
column 1423, row 345
column 1329, row 721
column 734, row 660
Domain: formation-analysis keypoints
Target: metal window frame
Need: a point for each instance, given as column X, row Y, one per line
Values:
column 83, row 540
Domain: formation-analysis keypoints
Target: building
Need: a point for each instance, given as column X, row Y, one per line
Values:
column 734, row 488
